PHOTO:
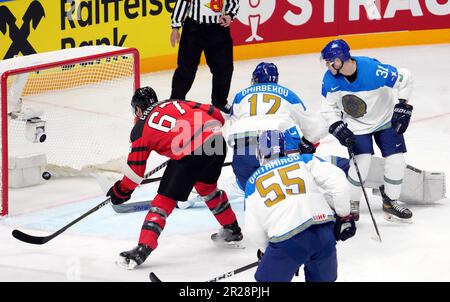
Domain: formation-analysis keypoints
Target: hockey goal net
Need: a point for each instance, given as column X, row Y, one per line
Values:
column 80, row 97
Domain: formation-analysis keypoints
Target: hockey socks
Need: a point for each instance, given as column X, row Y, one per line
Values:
column 217, row 202
column 221, row 209
column 155, row 220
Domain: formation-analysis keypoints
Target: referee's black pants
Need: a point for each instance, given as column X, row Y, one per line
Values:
column 216, row 42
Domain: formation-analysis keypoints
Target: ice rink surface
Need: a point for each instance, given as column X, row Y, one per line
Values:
column 409, row 252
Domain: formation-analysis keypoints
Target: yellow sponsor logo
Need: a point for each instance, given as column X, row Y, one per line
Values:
column 28, row 27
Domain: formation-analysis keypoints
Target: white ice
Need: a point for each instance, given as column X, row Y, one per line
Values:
column 409, row 252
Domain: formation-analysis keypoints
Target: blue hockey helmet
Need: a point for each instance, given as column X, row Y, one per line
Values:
column 336, row 49
column 271, row 144
column 265, row 73
column 143, row 98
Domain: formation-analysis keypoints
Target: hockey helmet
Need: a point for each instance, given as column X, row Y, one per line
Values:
column 143, row 98
column 271, row 145
column 265, row 73
column 336, row 49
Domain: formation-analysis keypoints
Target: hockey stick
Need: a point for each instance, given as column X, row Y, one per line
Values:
column 147, row 175
column 144, row 205
column 154, row 278
column 364, row 192
column 43, row 239
column 138, row 206
column 131, row 207
column 150, row 180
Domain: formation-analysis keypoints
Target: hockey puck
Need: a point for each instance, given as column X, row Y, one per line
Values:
column 46, row 175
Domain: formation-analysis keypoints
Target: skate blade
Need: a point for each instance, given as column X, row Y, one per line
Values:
column 230, row 245
column 126, row 263
column 393, row 218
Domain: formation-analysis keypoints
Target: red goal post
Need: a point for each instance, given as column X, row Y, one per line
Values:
column 83, row 95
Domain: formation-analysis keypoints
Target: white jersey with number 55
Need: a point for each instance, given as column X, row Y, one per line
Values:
column 283, row 197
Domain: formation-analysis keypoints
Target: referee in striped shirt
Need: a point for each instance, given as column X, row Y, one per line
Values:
column 205, row 28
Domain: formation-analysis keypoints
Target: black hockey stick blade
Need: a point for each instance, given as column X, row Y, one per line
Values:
column 19, row 235
column 29, row 238
column 154, row 278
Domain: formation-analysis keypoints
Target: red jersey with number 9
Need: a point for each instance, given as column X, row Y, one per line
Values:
column 172, row 128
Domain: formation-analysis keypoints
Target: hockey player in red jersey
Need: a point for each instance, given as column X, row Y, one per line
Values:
column 189, row 133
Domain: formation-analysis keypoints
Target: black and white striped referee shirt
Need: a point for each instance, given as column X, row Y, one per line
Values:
column 203, row 11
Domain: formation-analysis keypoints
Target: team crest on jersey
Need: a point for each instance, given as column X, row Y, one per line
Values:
column 354, row 106
column 215, row 5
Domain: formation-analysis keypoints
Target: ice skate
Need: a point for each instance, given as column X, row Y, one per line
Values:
column 229, row 236
column 131, row 259
column 393, row 211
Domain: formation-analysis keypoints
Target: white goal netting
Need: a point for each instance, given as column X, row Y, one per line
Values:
column 83, row 97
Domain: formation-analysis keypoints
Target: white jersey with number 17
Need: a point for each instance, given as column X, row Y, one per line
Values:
column 270, row 106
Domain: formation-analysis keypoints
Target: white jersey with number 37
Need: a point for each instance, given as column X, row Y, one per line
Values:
column 367, row 104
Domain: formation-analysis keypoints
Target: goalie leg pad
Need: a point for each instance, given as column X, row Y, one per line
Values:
column 418, row 187
column 155, row 220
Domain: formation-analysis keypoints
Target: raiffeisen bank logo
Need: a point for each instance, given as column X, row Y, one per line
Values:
column 254, row 13
column 19, row 35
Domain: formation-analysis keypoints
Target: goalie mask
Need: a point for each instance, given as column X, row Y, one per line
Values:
column 143, row 98
column 271, row 145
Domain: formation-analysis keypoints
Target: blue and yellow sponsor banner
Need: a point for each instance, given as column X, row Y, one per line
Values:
column 36, row 26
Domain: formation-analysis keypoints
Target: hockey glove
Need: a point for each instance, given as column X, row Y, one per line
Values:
column 401, row 116
column 342, row 133
column 344, row 227
column 306, row 147
column 259, row 254
column 118, row 195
